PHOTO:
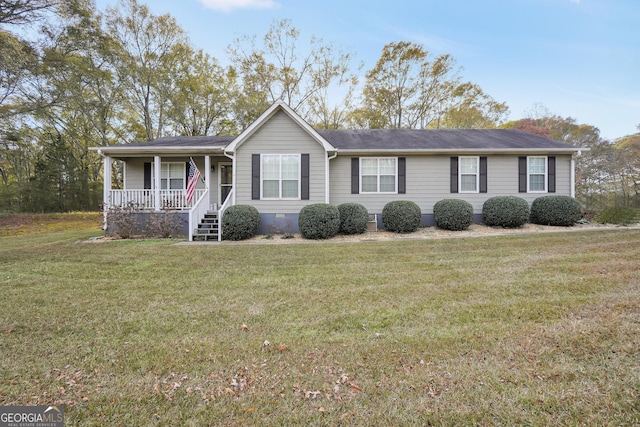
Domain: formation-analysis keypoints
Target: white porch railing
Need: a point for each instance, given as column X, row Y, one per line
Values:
column 197, row 212
column 145, row 199
column 227, row 202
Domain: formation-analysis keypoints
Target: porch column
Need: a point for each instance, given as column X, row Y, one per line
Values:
column 573, row 176
column 106, row 187
column 207, row 173
column 157, row 183
column 106, row 176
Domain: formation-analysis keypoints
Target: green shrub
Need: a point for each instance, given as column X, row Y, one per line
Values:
column 401, row 216
column 240, row 222
column 353, row 218
column 618, row 215
column 319, row 221
column 505, row 211
column 453, row 214
column 555, row 210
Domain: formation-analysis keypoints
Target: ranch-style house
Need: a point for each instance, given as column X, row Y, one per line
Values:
column 280, row 164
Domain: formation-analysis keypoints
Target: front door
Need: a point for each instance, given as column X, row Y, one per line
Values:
column 225, row 178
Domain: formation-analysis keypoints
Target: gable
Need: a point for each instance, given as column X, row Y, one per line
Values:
column 278, row 114
column 280, row 134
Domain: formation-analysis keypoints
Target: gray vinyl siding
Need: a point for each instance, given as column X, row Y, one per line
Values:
column 280, row 135
column 428, row 181
column 134, row 174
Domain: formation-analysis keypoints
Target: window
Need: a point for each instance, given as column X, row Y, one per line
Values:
column 537, row 174
column 378, row 175
column 172, row 176
column 280, row 176
column 469, row 171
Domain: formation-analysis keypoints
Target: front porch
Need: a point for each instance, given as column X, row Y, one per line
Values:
column 165, row 182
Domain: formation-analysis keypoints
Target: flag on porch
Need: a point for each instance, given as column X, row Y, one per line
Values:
column 194, row 175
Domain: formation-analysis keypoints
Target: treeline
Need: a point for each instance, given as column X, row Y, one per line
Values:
column 72, row 77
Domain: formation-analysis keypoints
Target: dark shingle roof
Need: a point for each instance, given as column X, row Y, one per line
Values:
column 437, row 139
column 373, row 140
column 187, row 141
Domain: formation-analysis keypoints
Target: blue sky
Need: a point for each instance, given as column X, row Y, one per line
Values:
column 577, row 58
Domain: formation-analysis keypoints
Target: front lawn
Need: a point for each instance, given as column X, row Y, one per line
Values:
column 523, row 329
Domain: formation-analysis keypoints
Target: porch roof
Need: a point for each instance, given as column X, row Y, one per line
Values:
column 185, row 145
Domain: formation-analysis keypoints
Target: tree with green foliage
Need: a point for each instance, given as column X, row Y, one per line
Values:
column 407, row 89
column 281, row 69
column 202, row 99
column 146, row 57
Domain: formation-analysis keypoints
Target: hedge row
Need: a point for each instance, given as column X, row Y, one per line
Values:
column 316, row 221
column 508, row 212
column 323, row 221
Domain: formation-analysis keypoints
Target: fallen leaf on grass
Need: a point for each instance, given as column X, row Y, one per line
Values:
column 355, row 388
column 283, row 347
column 244, row 327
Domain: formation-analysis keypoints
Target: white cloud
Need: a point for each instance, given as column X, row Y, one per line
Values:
column 229, row 5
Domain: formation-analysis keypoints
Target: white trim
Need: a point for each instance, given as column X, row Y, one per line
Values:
column 207, row 174
column 400, row 152
column 395, row 190
column 573, row 176
column 106, row 178
column 220, row 165
column 546, row 175
column 477, row 174
column 280, row 155
column 157, row 183
column 279, row 105
column 183, row 175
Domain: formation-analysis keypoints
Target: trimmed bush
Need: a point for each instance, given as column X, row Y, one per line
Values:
column 401, row 216
column 353, row 218
column 555, row 210
column 240, row 222
column 319, row 221
column 505, row 211
column 453, row 214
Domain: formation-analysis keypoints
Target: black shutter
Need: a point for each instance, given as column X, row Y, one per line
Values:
column 355, row 175
column 304, row 176
column 551, row 174
column 147, row 176
column 454, row 174
column 402, row 175
column 483, row 174
column 186, row 175
column 255, row 176
column 522, row 174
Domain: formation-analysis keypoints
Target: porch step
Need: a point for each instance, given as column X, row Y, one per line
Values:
column 208, row 228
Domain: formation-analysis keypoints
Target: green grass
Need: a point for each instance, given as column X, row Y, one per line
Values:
column 534, row 330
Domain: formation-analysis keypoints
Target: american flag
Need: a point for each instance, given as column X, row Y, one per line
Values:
column 194, row 176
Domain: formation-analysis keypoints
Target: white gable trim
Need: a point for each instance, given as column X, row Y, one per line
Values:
column 279, row 105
